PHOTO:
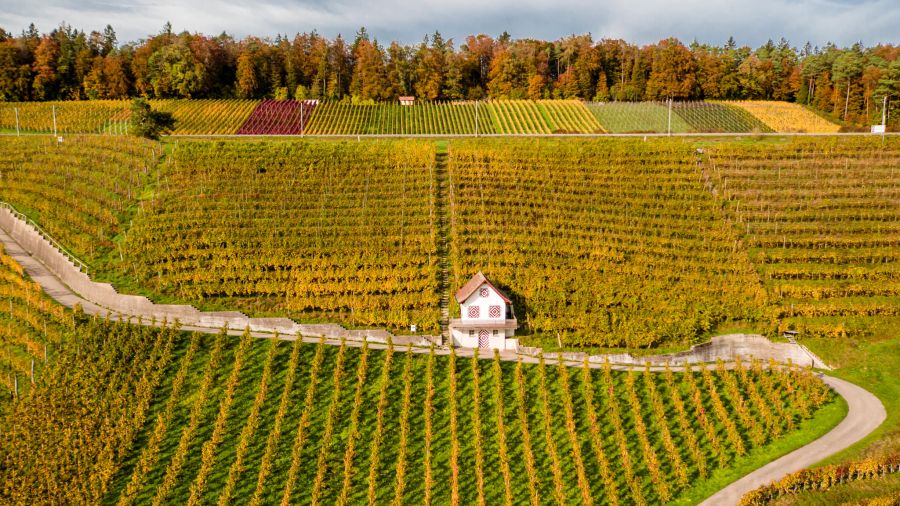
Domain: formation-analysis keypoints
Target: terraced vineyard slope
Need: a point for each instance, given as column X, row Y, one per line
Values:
column 79, row 190
column 217, row 419
column 714, row 117
column 786, row 116
column 207, row 117
column 396, row 119
column 511, row 117
column 568, row 116
column 821, row 219
column 278, row 117
column 600, row 243
column 541, row 117
column 82, row 417
column 637, row 117
column 31, row 326
column 333, row 231
column 95, row 116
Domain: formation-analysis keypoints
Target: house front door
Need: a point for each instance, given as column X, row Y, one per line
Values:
column 484, row 339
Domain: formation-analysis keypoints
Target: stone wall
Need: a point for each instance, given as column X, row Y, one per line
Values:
column 725, row 348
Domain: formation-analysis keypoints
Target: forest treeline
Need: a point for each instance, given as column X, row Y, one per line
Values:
column 70, row 64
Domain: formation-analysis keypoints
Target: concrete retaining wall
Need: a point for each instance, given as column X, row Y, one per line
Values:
column 725, row 348
column 104, row 295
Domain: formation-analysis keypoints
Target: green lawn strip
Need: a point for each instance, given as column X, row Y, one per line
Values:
column 684, row 427
column 356, row 492
column 546, row 116
column 568, row 460
column 327, row 480
column 493, row 112
column 855, row 492
column 573, row 437
column 415, row 453
column 543, row 464
column 385, row 475
column 281, row 462
column 498, row 441
column 872, row 365
column 492, row 478
column 635, row 450
column 188, row 465
column 657, row 427
column 807, row 431
column 359, row 478
column 162, row 397
column 329, row 392
column 264, row 445
column 515, row 438
column 169, row 442
column 533, row 116
column 241, row 409
column 218, row 446
column 607, row 451
column 487, row 121
column 441, row 444
column 468, row 493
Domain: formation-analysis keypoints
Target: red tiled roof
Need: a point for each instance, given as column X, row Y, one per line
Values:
column 477, row 280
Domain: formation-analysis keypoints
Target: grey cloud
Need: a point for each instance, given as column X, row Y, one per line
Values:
column 819, row 21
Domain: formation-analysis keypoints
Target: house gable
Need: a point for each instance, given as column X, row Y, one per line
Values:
column 475, row 284
column 489, row 303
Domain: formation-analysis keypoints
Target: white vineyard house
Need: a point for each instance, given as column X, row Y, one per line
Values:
column 486, row 317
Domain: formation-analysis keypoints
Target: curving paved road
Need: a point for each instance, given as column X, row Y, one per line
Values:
column 865, row 414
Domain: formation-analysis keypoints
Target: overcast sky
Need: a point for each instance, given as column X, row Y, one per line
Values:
column 751, row 22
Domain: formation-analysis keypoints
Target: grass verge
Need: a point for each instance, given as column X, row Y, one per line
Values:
column 809, row 430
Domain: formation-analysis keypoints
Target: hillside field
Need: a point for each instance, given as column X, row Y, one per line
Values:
column 218, row 419
column 601, row 243
column 496, row 117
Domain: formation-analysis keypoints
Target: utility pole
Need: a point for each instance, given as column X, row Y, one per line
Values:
column 847, row 100
column 54, row 121
column 17, row 121
column 476, row 117
column 669, row 124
